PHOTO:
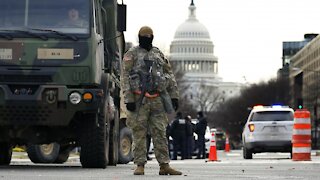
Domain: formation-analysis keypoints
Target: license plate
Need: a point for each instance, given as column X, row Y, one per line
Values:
column 274, row 129
column 55, row 53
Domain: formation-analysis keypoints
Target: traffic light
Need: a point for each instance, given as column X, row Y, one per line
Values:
column 299, row 103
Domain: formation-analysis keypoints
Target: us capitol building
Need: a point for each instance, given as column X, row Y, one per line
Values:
column 192, row 53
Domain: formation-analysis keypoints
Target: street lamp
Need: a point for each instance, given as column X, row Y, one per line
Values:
column 316, row 96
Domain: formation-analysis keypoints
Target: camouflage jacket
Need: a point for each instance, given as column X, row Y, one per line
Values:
column 132, row 61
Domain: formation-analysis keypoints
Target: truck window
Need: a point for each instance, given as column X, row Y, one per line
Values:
column 11, row 13
column 67, row 16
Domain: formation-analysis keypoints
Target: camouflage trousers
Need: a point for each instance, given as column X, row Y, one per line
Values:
column 150, row 115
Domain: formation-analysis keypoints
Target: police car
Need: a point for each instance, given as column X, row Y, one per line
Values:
column 268, row 129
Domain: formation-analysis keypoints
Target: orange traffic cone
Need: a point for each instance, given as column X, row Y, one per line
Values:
column 227, row 146
column 213, row 149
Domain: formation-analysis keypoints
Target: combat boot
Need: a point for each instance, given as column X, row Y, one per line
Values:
column 165, row 169
column 139, row 170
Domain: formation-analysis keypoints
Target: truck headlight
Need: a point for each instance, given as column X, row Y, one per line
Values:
column 75, row 98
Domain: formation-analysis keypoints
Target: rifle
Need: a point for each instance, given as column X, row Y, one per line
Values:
column 147, row 86
column 145, row 78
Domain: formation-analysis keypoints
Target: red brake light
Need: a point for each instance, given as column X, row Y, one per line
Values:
column 251, row 127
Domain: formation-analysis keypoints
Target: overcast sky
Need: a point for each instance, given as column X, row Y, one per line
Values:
column 247, row 34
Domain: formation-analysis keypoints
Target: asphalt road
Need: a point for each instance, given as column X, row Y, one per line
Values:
column 229, row 166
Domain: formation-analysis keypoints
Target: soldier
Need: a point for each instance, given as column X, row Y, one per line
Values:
column 150, row 91
column 73, row 20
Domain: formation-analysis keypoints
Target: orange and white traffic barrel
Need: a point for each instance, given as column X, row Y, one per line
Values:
column 301, row 136
column 213, row 148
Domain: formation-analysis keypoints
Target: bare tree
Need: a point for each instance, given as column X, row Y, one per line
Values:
column 232, row 114
column 208, row 97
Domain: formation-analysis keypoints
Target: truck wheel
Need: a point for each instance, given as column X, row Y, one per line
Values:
column 94, row 141
column 125, row 150
column 5, row 153
column 45, row 153
column 114, row 141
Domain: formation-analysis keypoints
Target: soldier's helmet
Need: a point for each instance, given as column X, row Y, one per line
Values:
column 145, row 31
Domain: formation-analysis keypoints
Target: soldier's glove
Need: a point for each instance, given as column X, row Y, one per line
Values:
column 131, row 106
column 175, row 104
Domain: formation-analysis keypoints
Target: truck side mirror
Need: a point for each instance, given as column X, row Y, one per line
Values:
column 122, row 17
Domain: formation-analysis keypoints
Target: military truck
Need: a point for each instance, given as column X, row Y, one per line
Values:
column 60, row 81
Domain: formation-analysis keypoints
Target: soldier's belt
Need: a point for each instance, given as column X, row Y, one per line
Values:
column 147, row 94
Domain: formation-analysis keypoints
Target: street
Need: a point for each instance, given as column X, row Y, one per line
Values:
column 229, row 166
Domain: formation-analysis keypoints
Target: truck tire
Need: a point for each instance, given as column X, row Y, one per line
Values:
column 5, row 153
column 94, row 140
column 125, row 148
column 114, row 141
column 45, row 153
column 63, row 156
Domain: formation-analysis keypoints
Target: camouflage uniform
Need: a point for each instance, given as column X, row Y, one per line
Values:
column 151, row 112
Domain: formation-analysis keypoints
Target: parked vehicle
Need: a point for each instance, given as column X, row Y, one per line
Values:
column 220, row 137
column 268, row 129
column 60, row 84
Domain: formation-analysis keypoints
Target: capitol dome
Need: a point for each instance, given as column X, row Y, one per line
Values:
column 192, row 50
column 192, row 28
column 192, row 53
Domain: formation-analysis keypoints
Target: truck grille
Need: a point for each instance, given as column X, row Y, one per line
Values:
column 24, row 114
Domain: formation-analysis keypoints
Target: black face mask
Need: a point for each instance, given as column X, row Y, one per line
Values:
column 145, row 42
